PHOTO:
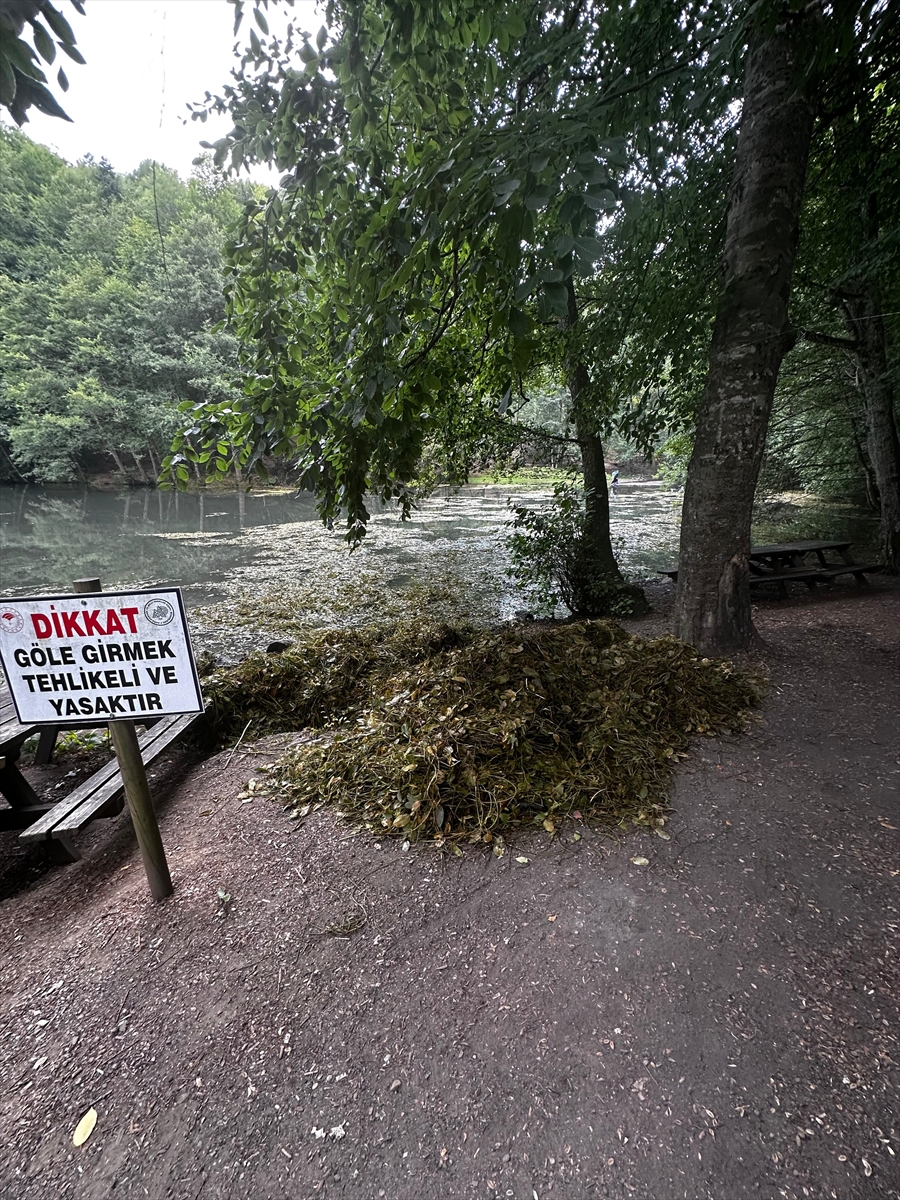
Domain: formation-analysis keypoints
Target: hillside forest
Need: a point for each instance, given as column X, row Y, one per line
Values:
column 111, row 310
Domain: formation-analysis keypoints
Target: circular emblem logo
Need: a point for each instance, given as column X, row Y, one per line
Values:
column 11, row 621
column 159, row 611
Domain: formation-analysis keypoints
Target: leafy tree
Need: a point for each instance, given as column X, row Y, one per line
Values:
column 430, row 242
column 797, row 57
column 22, row 82
column 848, row 268
column 109, row 317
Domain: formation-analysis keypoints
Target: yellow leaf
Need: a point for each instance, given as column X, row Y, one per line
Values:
column 85, row 1127
column 549, row 826
column 640, row 861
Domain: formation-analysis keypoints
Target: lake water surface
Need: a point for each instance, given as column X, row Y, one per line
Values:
column 261, row 563
column 201, row 542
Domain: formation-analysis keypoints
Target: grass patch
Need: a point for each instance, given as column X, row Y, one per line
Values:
column 525, row 477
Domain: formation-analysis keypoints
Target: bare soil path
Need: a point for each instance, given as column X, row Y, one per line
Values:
column 358, row 1022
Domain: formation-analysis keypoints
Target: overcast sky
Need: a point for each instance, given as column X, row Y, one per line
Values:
column 146, row 60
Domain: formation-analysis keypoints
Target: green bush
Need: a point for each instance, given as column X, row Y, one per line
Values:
column 553, row 562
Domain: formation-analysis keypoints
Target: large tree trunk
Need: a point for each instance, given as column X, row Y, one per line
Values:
column 863, row 316
column 712, row 605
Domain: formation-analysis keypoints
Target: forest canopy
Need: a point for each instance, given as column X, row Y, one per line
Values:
column 110, row 310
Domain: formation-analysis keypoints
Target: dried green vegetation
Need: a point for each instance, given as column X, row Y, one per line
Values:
column 323, row 680
column 460, row 734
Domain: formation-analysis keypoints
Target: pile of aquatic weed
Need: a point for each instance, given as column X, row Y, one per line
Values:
column 519, row 726
column 319, row 680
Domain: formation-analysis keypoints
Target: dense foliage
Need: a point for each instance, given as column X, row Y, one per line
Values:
column 31, row 32
column 110, row 302
column 432, row 252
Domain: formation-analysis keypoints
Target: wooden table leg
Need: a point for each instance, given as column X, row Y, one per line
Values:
column 46, row 745
column 13, row 784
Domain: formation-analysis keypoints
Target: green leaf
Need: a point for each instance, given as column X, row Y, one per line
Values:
column 505, row 186
column 43, row 42
column 588, row 248
column 322, row 37
column 45, row 102
column 260, row 20
column 75, row 55
column 58, row 24
column 524, row 290
column 62, row 79
column 519, row 323
column 7, row 82
column 539, row 197
column 23, row 58
column 602, row 202
column 558, row 296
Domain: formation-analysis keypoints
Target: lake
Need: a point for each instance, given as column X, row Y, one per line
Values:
column 217, row 544
column 263, row 559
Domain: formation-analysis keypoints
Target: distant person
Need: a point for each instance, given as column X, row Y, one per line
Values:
column 615, row 482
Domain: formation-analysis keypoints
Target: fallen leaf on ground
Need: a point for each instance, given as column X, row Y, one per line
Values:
column 640, row 861
column 85, row 1127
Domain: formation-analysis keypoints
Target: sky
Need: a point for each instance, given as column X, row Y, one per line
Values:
column 146, row 60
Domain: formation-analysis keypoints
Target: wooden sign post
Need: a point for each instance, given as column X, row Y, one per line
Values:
column 105, row 658
column 137, row 791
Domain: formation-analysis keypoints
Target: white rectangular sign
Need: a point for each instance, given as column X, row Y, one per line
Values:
column 108, row 656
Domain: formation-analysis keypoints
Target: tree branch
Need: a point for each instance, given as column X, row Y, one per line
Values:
column 826, row 339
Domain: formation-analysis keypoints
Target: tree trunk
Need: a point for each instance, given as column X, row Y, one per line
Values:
column 712, row 605
column 598, row 541
column 862, row 312
column 139, row 463
column 600, row 581
column 597, row 535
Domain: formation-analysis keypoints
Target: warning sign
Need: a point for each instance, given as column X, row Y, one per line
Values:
column 113, row 656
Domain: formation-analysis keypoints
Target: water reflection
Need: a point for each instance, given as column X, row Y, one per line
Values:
column 48, row 537
column 130, row 538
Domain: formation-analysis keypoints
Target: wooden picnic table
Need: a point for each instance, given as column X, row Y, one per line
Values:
column 24, row 804
column 101, row 795
column 786, row 556
column 787, row 562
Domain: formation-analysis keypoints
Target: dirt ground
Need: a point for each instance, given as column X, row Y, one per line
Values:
column 358, row 1022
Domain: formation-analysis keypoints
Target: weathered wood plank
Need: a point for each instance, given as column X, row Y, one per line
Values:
column 152, row 743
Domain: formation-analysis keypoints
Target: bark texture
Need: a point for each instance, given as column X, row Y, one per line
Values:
column 712, row 609
column 862, row 312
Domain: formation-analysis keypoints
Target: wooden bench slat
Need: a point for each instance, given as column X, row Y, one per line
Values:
column 799, row 574
column 153, row 742
column 111, row 793
column 851, row 568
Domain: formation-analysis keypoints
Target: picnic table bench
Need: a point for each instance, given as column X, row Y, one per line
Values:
column 102, row 795
column 788, row 562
